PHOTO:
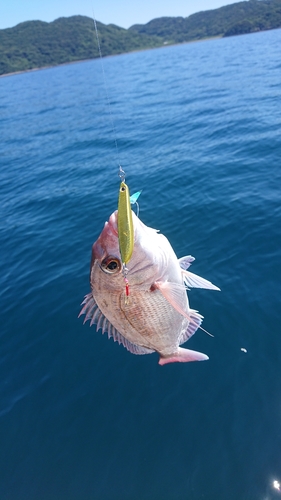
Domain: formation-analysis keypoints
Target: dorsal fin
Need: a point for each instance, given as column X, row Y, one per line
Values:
column 94, row 314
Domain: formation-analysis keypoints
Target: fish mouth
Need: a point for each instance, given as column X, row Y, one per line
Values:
column 107, row 242
column 113, row 222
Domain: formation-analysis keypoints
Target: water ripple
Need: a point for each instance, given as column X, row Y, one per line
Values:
column 197, row 127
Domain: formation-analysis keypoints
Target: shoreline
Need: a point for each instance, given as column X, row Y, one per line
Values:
column 164, row 45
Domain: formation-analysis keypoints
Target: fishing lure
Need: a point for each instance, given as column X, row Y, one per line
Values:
column 125, row 224
column 125, row 231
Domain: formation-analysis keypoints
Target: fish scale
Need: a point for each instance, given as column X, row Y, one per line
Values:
column 152, row 317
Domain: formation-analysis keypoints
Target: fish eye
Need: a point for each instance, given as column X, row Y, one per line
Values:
column 111, row 265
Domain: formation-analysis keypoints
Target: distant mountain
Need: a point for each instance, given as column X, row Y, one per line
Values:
column 235, row 19
column 36, row 44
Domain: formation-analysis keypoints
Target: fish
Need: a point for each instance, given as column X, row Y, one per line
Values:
column 156, row 317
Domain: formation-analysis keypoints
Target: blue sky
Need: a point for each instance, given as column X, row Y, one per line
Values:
column 121, row 12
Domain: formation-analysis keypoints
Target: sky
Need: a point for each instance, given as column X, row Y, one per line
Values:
column 124, row 13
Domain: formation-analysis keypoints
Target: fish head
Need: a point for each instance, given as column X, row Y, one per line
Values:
column 105, row 251
column 147, row 254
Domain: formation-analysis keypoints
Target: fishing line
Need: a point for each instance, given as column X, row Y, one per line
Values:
column 125, row 222
column 121, row 171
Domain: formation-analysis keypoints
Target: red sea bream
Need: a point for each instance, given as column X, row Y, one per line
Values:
column 156, row 316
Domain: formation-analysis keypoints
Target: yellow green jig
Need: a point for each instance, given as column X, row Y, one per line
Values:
column 125, row 224
column 125, row 228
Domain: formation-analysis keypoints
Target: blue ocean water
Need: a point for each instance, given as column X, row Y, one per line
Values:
column 198, row 130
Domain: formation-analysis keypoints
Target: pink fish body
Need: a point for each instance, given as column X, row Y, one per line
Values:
column 156, row 315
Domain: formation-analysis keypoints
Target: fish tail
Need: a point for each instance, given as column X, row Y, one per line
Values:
column 183, row 356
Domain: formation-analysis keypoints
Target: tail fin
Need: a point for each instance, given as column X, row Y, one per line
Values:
column 183, row 356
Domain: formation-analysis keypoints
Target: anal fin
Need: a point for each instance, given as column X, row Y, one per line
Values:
column 192, row 326
column 185, row 262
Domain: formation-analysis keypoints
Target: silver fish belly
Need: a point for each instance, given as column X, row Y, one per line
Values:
column 156, row 316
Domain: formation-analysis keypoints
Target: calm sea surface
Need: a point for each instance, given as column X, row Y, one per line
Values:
column 199, row 131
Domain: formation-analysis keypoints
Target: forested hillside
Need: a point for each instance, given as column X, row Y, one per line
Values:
column 36, row 44
column 238, row 18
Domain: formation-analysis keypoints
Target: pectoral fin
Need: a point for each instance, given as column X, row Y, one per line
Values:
column 173, row 293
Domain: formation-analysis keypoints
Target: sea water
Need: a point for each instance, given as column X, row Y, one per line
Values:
column 198, row 131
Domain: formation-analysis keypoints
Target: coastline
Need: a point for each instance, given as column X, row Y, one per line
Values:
column 164, row 45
